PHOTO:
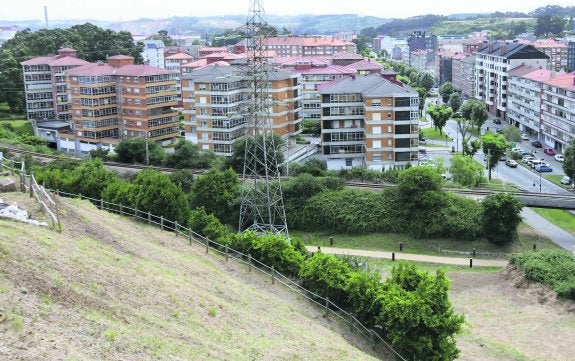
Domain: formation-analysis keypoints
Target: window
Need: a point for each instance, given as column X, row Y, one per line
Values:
column 349, row 162
column 377, row 144
column 377, row 157
column 376, row 130
column 376, row 116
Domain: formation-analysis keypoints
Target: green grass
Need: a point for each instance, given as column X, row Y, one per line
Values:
column 558, row 217
column 20, row 126
column 390, row 242
column 556, row 179
column 433, row 134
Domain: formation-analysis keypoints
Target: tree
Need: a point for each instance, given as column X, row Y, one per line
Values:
column 494, row 146
column 134, row 150
column 440, row 115
column 91, row 178
column 471, row 148
column 422, row 95
column 155, row 193
column 275, row 154
column 445, row 90
column 466, row 171
column 417, row 315
column 569, row 162
column 188, row 155
column 216, row 191
column 548, row 25
column 183, row 178
column 164, row 37
column 512, row 134
column 425, row 80
column 454, row 102
column 361, row 43
column 474, row 110
column 501, row 216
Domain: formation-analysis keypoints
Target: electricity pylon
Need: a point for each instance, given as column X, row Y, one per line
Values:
column 262, row 207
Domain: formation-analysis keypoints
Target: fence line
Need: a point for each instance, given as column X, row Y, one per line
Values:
column 246, row 259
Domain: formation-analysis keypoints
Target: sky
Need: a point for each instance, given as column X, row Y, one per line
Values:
column 119, row 10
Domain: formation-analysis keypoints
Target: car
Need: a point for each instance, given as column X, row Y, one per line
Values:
column 528, row 160
column 496, row 121
column 559, row 157
column 535, row 162
column 527, row 155
column 543, row 168
column 511, row 163
column 498, row 131
column 503, row 159
column 422, row 151
column 524, row 136
column 422, row 139
column 565, row 180
column 536, row 144
column 549, row 151
column 517, row 150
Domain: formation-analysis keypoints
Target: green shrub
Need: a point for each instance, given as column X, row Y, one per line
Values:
column 462, row 218
column 207, row 225
column 501, row 216
column 327, row 276
column 554, row 268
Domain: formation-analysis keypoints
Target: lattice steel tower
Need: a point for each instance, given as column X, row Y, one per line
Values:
column 262, row 207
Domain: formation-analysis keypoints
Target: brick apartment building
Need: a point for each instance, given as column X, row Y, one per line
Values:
column 369, row 121
column 45, row 85
column 115, row 100
column 303, row 46
column 215, row 112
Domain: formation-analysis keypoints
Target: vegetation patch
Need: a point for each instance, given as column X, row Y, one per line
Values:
column 558, row 217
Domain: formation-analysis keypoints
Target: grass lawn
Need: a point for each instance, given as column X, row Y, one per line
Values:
column 556, row 179
column 390, row 242
column 558, row 217
column 20, row 126
column 432, row 133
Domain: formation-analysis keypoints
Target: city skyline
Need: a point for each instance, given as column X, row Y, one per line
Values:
column 108, row 10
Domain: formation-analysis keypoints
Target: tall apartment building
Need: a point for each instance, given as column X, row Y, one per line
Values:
column 555, row 50
column 153, row 53
column 175, row 63
column 492, row 65
column 45, row 85
column 571, row 55
column 216, row 112
column 423, row 60
column 463, row 74
column 369, row 121
column 114, row 100
column 420, row 40
column 524, row 105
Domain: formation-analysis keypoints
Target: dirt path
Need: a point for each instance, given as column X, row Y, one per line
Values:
column 412, row 257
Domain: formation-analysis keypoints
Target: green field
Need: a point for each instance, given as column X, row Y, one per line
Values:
column 558, row 217
column 556, row 179
column 390, row 242
column 454, row 27
column 433, row 134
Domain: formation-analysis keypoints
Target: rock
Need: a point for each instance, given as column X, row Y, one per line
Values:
column 7, row 185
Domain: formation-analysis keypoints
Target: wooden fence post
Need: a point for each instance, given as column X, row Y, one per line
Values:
column 350, row 322
column 121, row 211
column 176, row 227
column 227, row 251
column 326, row 306
column 162, row 223
column 1, row 161
column 190, row 233
column 149, row 217
column 101, row 203
column 273, row 280
column 249, row 262
column 11, row 166
column 207, row 245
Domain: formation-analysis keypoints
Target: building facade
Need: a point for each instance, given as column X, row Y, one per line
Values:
column 153, row 53
column 303, row 46
column 215, row 106
column 45, row 85
column 555, row 50
column 524, row 96
column 116, row 100
column 492, row 65
column 369, row 121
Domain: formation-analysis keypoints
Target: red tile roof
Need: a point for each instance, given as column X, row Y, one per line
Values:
column 365, row 65
column 179, row 56
column 196, row 64
column 55, row 61
column 126, row 70
column 121, row 57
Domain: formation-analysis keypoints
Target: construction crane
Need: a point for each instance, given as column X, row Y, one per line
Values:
column 262, row 207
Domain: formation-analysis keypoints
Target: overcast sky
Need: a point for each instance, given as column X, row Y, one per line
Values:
column 135, row 9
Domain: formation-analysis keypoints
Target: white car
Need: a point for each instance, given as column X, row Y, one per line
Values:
column 559, row 157
column 524, row 136
column 565, row 180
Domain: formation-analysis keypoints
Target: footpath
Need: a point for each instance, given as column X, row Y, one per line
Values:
column 399, row 256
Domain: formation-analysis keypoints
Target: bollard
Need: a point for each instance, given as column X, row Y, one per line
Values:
column 249, row 262
column 471, row 263
column 176, row 227
column 149, row 217
column 535, row 246
column 393, row 256
column 400, row 246
column 273, row 280
column 331, row 241
column 162, row 223
column 318, row 248
column 474, row 253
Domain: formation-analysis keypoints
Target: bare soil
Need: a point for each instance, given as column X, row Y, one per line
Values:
column 510, row 318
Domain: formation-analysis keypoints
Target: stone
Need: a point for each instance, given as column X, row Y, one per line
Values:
column 7, row 185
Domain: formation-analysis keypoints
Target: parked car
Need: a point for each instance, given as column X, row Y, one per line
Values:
column 524, row 136
column 565, row 180
column 498, row 130
column 517, row 150
column 559, row 157
column 422, row 139
column 536, row 162
column 536, row 144
column 503, row 159
column 496, row 121
column 511, row 163
column 549, row 151
column 527, row 155
column 543, row 168
column 422, row 151
column 528, row 160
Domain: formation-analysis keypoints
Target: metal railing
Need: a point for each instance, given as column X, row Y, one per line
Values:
column 246, row 259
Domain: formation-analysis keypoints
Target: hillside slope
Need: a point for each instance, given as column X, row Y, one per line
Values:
column 107, row 287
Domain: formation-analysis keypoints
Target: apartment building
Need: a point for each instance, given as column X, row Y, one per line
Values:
column 175, row 63
column 302, row 46
column 571, row 55
column 115, row 100
column 216, row 111
column 463, row 75
column 525, row 91
column 369, row 121
column 555, row 50
column 492, row 65
column 558, row 110
column 45, row 85
column 423, row 60
column 153, row 53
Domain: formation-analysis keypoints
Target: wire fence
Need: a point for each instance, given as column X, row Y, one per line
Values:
column 252, row 264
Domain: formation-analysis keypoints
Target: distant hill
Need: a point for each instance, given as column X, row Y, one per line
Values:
column 109, row 288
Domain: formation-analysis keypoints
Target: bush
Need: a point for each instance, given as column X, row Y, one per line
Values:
column 501, row 216
column 327, row 276
column 462, row 218
column 554, row 268
column 207, row 225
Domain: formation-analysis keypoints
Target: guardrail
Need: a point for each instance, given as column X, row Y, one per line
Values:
column 246, row 259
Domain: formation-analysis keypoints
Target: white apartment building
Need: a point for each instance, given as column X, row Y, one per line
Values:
column 153, row 53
